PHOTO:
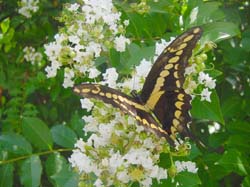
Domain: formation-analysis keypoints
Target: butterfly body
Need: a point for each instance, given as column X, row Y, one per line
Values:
column 162, row 106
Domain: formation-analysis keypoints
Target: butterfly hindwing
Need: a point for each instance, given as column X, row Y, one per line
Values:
column 167, row 73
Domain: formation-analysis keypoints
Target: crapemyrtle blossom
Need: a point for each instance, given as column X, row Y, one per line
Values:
column 197, row 82
column 28, row 7
column 92, row 27
column 30, row 55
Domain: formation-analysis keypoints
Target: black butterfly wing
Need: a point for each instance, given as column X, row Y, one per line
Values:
column 164, row 82
column 125, row 103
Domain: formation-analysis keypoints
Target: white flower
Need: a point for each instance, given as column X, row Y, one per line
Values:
column 189, row 166
column 86, row 104
column 91, row 124
column 68, row 76
column 120, row 43
column 126, row 22
column 115, row 161
column 94, row 48
column 73, row 7
column 80, row 144
column 93, row 72
column 214, row 128
column 123, row 176
column 31, row 55
column 144, row 68
column 191, row 69
column 83, row 162
column 160, row 46
column 27, row 7
column 203, row 77
column 147, row 182
column 98, row 183
column 110, row 77
column 192, row 85
column 205, row 95
column 193, row 15
column 210, row 83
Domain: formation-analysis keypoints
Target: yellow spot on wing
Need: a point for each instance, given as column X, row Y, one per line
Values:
column 176, row 123
column 174, row 59
column 182, row 46
column 179, row 104
column 177, row 114
column 168, row 66
column 196, row 30
column 101, row 94
column 85, row 90
column 176, row 75
column 178, row 84
column 76, row 90
column 138, row 118
column 96, row 91
column 164, row 73
column 145, row 122
column 180, row 96
column 188, row 38
column 108, row 95
column 178, row 53
column 114, row 96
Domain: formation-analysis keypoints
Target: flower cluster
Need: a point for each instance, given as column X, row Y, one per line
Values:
column 30, row 55
column 199, row 83
column 91, row 28
column 28, row 7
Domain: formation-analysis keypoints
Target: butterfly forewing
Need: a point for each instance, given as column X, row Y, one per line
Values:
column 125, row 103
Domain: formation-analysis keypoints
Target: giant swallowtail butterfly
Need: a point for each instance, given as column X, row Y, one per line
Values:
column 162, row 106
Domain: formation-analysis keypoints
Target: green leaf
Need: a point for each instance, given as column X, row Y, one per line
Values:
column 233, row 161
column 6, row 175
column 66, row 178
column 246, row 182
column 207, row 110
column 54, row 164
column 245, row 42
column 5, row 24
column 31, row 172
column 188, row 179
column 15, row 144
column 205, row 13
column 63, row 136
column 217, row 31
column 36, row 131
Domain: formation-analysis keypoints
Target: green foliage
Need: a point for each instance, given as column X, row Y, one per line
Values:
column 34, row 149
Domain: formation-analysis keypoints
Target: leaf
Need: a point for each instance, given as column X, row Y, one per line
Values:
column 205, row 13
column 31, row 172
column 246, row 182
column 6, row 175
column 36, row 131
column 245, row 42
column 66, row 178
column 233, row 161
column 54, row 164
column 217, row 31
column 188, row 179
column 5, row 24
column 15, row 144
column 207, row 110
column 63, row 136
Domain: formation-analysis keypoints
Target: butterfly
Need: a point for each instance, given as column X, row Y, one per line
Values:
column 162, row 106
